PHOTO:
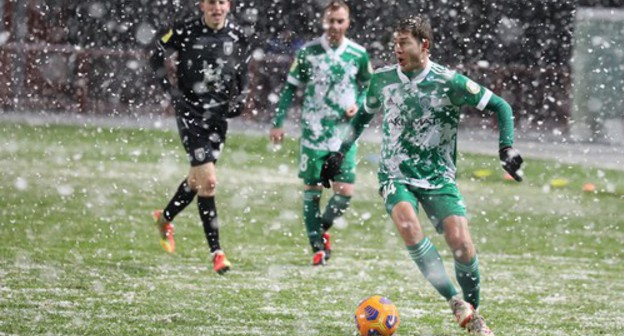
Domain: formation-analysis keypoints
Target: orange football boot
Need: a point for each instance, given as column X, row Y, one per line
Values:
column 166, row 232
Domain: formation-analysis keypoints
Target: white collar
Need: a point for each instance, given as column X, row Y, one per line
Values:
column 416, row 79
column 334, row 52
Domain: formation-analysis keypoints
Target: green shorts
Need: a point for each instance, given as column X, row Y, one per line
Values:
column 311, row 162
column 437, row 203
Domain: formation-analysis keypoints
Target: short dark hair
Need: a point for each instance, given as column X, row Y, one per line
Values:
column 336, row 4
column 418, row 26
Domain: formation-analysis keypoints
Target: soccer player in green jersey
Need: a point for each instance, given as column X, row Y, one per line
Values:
column 333, row 72
column 420, row 101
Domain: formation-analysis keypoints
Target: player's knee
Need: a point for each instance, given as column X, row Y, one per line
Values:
column 455, row 227
column 461, row 245
column 407, row 226
column 464, row 251
column 344, row 189
column 208, row 186
column 192, row 183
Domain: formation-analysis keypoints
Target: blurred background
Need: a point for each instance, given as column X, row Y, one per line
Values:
column 560, row 64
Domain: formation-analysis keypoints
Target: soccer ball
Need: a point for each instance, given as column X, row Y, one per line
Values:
column 376, row 316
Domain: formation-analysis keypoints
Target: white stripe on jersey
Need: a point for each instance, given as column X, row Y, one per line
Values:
column 312, row 43
column 371, row 110
column 294, row 81
column 484, row 100
column 357, row 46
column 334, row 52
column 446, row 73
column 419, row 78
column 234, row 36
column 386, row 68
column 353, row 52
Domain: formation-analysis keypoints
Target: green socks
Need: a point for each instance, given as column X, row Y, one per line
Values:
column 336, row 207
column 469, row 278
column 312, row 218
column 426, row 256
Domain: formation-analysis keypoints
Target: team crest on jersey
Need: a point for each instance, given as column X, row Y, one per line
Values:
column 425, row 103
column 473, row 87
column 228, row 47
column 200, row 154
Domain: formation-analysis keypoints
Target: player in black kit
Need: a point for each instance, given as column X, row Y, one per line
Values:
column 211, row 87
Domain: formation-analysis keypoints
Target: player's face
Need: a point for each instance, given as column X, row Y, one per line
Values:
column 410, row 52
column 335, row 24
column 215, row 12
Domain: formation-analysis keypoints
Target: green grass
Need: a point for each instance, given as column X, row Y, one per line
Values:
column 79, row 254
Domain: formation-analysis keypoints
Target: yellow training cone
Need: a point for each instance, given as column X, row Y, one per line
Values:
column 481, row 173
column 558, row 183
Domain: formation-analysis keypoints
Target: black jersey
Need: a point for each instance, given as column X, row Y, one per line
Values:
column 211, row 66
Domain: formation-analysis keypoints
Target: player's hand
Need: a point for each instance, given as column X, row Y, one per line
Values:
column 235, row 109
column 511, row 162
column 350, row 112
column 236, row 106
column 276, row 135
column 331, row 168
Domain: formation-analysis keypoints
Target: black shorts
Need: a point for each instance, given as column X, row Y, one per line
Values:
column 202, row 139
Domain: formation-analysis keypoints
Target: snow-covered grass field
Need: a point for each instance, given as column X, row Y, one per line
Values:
column 80, row 255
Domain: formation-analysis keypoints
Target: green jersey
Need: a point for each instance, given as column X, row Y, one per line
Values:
column 333, row 80
column 420, row 120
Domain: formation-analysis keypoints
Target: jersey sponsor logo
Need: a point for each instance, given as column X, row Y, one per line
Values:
column 472, row 87
column 200, row 154
column 228, row 47
column 397, row 121
column 167, row 36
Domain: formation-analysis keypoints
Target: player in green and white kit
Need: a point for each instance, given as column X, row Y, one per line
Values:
column 420, row 101
column 333, row 72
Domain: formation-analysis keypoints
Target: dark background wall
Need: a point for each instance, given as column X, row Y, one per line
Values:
column 88, row 56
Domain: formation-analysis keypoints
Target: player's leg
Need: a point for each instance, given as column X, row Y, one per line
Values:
column 337, row 204
column 466, row 268
column 460, row 242
column 445, row 208
column 310, row 162
column 183, row 196
column 180, row 200
column 204, row 179
column 458, row 238
column 402, row 206
column 164, row 218
column 207, row 147
column 312, row 221
column 335, row 208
